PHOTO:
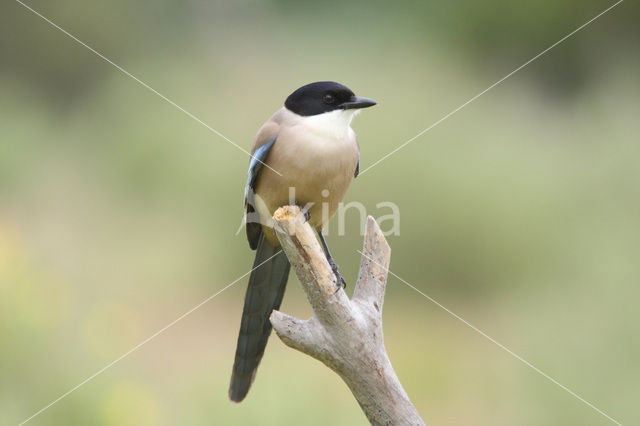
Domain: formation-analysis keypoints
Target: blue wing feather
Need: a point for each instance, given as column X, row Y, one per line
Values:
column 257, row 160
column 253, row 227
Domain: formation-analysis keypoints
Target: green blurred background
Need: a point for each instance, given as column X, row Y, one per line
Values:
column 521, row 213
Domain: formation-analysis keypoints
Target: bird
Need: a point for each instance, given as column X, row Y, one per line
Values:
column 306, row 154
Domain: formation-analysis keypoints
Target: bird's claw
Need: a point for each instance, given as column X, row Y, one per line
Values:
column 340, row 282
column 305, row 212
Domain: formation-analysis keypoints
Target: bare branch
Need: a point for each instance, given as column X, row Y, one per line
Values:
column 305, row 254
column 374, row 266
column 345, row 335
column 294, row 332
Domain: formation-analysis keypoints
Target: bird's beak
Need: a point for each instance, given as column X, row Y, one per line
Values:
column 358, row 102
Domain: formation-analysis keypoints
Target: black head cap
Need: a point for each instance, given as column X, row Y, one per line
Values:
column 324, row 96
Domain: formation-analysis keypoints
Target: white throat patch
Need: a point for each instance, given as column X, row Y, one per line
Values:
column 334, row 124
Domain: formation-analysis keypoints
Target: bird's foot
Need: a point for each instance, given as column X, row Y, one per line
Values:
column 305, row 211
column 341, row 283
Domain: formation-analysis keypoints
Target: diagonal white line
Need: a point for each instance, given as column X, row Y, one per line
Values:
column 142, row 83
column 148, row 339
column 500, row 345
column 490, row 87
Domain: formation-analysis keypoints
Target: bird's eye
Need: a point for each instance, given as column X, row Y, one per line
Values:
column 328, row 98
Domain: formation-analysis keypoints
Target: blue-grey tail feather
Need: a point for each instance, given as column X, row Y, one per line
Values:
column 264, row 294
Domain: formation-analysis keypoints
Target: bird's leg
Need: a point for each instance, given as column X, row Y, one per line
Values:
column 341, row 282
column 307, row 215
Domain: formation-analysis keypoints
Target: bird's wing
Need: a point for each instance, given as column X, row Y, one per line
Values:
column 252, row 219
column 357, row 171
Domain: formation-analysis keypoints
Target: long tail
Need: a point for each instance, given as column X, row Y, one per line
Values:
column 264, row 294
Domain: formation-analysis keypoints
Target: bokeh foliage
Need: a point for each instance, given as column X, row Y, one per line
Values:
column 118, row 213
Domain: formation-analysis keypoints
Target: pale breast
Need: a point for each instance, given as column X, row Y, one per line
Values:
column 315, row 158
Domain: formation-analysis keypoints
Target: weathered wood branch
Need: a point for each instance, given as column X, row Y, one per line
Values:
column 346, row 335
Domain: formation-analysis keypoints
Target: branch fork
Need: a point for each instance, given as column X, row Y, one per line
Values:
column 346, row 335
